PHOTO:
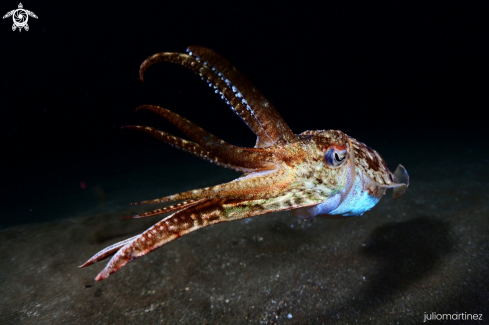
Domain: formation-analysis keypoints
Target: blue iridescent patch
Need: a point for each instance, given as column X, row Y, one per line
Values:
column 357, row 201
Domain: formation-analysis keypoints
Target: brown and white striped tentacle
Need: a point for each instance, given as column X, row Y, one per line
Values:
column 247, row 159
column 108, row 251
column 264, row 184
column 206, row 213
column 240, row 94
column 185, row 145
column 170, row 208
column 235, row 100
column 262, row 110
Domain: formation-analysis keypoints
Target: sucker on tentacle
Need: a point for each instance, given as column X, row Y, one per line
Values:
column 315, row 173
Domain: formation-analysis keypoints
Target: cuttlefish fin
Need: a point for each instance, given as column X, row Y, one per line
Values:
column 401, row 177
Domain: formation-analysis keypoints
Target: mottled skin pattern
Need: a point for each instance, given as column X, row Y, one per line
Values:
column 325, row 172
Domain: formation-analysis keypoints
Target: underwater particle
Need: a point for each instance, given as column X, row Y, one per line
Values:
column 289, row 316
column 83, row 185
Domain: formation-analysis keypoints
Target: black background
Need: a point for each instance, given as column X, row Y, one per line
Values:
column 395, row 69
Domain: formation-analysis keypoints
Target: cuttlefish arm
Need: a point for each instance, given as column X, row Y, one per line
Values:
column 206, row 145
column 261, row 192
column 237, row 90
column 206, row 212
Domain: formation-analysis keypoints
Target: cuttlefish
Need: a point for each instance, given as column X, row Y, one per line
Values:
column 314, row 173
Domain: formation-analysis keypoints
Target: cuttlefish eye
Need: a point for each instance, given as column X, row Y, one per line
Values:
column 335, row 157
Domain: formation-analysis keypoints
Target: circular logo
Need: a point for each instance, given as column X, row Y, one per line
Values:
column 20, row 18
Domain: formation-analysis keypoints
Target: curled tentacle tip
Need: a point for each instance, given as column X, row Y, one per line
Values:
column 142, row 69
column 141, row 107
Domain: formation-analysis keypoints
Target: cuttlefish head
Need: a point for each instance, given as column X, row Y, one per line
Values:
column 363, row 175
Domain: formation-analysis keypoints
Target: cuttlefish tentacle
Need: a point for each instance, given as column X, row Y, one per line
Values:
column 260, row 108
column 214, row 79
column 206, row 213
column 187, row 146
column 170, row 208
column 263, row 184
column 243, row 98
column 207, row 145
column 108, row 251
